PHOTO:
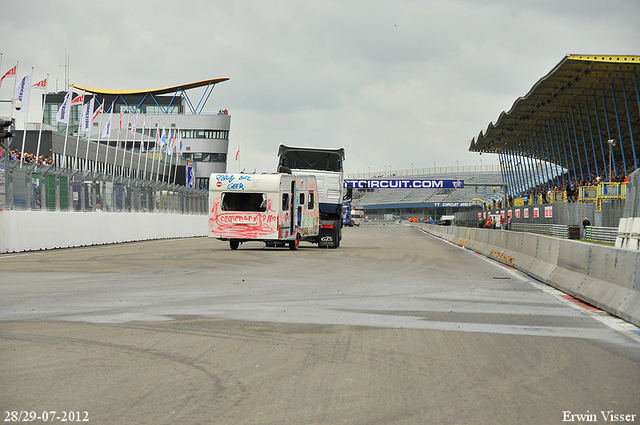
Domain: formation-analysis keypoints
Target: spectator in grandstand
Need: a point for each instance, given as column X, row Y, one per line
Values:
column 525, row 198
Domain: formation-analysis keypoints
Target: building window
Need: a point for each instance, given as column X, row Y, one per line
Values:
column 204, row 134
column 206, row 157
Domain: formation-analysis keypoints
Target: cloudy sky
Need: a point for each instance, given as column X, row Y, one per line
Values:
column 399, row 84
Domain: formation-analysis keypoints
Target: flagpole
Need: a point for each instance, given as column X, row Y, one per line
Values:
column 106, row 153
column 164, row 168
column 67, row 104
column 46, row 82
column 178, row 155
column 159, row 147
column 115, row 155
column 99, row 137
column 170, row 154
column 144, row 121
column 26, row 116
column 133, row 145
column 155, row 146
column 126, row 139
column 175, row 170
column 86, row 155
column 146, row 157
column 15, row 83
column 79, row 128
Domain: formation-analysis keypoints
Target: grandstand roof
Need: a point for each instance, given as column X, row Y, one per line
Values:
column 158, row 91
column 579, row 89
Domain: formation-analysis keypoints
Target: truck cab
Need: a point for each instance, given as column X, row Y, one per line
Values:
column 326, row 165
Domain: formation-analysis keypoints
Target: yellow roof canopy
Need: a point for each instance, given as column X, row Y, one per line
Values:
column 158, row 91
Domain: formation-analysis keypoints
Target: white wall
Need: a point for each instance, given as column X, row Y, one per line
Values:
column 36, row 230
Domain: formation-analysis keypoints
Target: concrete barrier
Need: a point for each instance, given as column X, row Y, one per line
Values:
column 37, row 230
column 603, row 276
column 621, row 239
column 634, row 234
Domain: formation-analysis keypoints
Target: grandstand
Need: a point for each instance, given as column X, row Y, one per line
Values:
column 571, row 140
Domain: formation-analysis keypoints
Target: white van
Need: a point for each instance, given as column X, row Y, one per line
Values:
column 277, row 209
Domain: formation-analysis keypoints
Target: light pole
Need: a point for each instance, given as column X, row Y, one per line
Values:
column 612, row 143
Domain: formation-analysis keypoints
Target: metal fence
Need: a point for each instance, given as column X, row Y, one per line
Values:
column 45, row 188
column 591, row 233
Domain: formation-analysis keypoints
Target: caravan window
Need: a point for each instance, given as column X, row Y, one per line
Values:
column 285, row 201
column 311, row 201
column 243, row 201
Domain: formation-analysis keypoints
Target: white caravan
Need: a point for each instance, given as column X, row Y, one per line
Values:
column 277, row 209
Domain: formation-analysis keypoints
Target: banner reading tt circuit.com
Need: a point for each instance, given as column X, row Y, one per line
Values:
column 404, row 184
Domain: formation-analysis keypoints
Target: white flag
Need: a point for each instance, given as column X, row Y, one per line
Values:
column 22, row 92
column 63, row 112
column 163, row 138
column 87, row 115
column 106, row 133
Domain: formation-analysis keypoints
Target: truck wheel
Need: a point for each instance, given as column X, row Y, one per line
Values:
column 293, row 245
column 234, row 244
column 336, row 240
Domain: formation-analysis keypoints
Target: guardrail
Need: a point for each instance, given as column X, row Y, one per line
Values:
column 601, row 234
column 557, row 230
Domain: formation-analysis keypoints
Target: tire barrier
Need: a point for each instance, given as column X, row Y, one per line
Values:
column 605, row 277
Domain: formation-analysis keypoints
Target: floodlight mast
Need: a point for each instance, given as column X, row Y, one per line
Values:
column 612, row 143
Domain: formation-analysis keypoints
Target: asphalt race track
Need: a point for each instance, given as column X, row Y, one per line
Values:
column 394, row 327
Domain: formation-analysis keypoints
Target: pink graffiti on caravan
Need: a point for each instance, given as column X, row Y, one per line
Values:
column 242, row 225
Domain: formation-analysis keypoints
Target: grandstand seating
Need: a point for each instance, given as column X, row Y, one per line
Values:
column 421, row 195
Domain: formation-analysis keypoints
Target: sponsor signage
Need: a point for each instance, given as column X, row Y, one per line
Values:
column 404, row 184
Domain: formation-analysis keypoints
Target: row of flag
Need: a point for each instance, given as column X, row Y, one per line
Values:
column 23, row 87
column 173, row 142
